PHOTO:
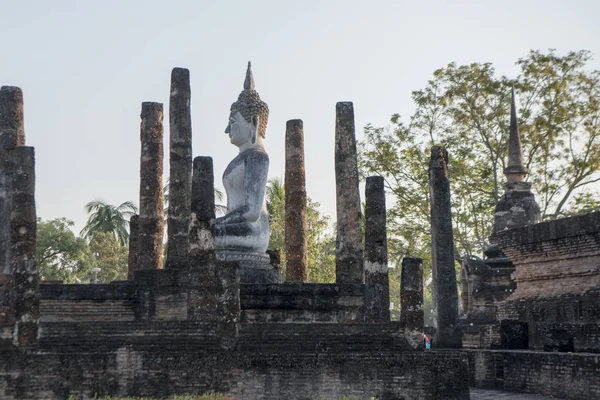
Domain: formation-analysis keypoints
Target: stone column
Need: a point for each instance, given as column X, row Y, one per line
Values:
column 411, row 294
column 132, row 257
column 24, row 284
column 151, row 222
column 377, row 289
column 445, row 292
column 349, row 254
column 180, row 161
column 214, row 286
column 295, row 203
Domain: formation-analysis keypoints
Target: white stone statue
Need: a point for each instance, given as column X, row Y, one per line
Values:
column 244, row 229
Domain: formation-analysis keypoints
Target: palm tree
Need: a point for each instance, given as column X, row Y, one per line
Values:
column 110, row 219
column 220, row 209
column 275, row 195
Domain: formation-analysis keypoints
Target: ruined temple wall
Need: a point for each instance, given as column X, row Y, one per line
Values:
column 566, row 376
column 485, row 336
column 557, row 271
column 569, row 322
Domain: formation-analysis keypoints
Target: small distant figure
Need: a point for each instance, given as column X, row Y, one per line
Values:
column 427, row 342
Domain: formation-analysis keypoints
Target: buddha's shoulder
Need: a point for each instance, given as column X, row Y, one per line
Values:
column 256, row 155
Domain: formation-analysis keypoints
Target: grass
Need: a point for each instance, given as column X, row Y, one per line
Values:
column 206, row 396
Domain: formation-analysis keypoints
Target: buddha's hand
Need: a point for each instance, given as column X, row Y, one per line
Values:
column 233, row 217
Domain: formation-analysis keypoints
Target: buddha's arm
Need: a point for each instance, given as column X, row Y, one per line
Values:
column 256, row 170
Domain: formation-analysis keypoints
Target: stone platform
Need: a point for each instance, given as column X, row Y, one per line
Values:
column 254, row 267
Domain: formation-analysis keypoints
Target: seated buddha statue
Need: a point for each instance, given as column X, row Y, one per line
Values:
column 245, row 226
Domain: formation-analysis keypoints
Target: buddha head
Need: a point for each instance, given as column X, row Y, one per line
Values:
column 249, row 115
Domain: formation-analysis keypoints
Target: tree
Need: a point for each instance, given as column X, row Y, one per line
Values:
column 467, row 109
column 106, row 218
column 320, row 245
column 320, row 242
column 110, row 257
column 275, row 194
column 60, row 254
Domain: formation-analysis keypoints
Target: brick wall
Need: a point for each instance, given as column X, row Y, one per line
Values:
column 555, row 257
column 268, row 362
column 123, row 301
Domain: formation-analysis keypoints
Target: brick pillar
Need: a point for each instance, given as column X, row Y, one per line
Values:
column 411, row 294
column 151, row 227
column 377, row 289
column 132, row 257
column 180, row 161
column 12, row 134
column 12, row 131
column 201, row 233
column 445, row 292
column 295, row 203
column 24, row 285
column 349, row 254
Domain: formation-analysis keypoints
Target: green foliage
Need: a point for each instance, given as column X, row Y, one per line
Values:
column 467, row 109
column 110, row 257
column 207, row 396
column 105, row 218
column 320, row 245
column 320, row 242
column 343, row 398
column 60, row 254
column 275, row 194
column 63, row 256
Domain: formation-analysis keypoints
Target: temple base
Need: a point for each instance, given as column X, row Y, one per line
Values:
column 254, row 267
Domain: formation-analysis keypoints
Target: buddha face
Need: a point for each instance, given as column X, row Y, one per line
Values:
column 241, row 132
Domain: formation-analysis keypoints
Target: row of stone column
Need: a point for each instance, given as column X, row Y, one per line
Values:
column 351, row 267
column 19, row 291
column 349, row 263
column 147, row 228
column 349, row 247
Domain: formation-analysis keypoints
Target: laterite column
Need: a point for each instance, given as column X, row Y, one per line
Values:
column 411, row 294
column 377, row 289
column 24, row 285
column 296, row 228
column 151, row 222
column 349, row 253
column 445, row 291
column 180, row 166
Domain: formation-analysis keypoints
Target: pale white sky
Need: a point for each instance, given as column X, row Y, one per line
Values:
column 85, row 67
